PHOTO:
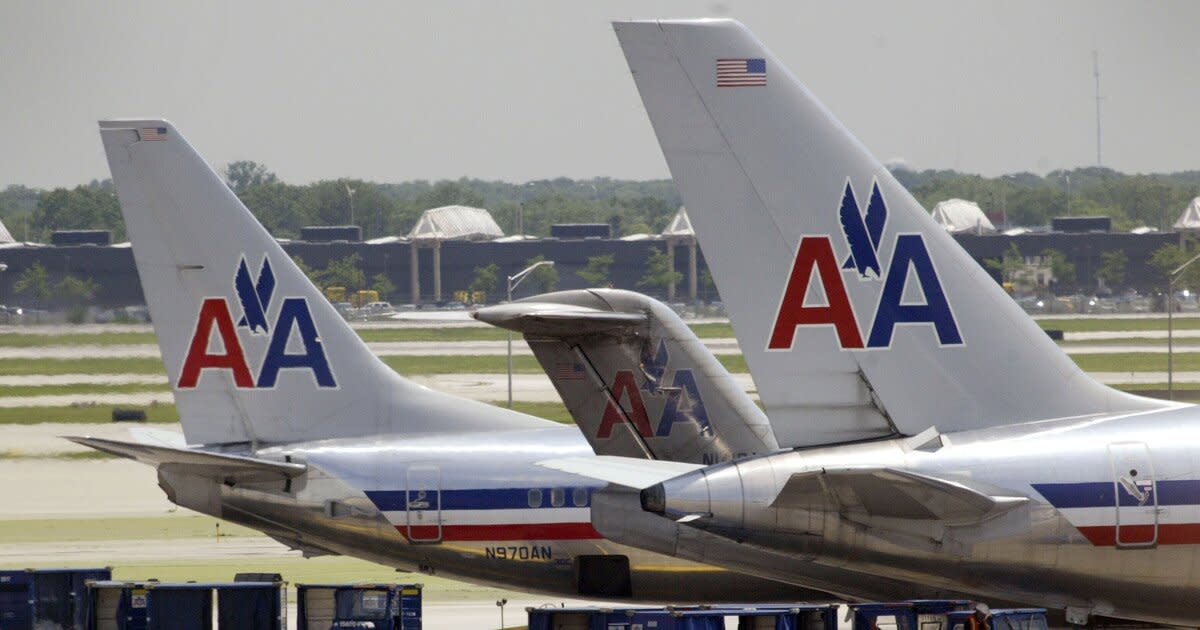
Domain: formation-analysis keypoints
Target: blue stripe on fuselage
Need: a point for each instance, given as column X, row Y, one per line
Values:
column 1101, row 493
column 474, row 499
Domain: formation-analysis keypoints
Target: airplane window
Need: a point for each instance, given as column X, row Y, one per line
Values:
column 535, row 497
column 579, row 497
column 558, row 497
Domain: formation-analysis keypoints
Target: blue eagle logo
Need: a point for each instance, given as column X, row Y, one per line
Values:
column 654, row 365
column 254, row 296
column 863, row 232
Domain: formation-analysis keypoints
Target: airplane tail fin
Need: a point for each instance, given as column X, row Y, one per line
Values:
column 859, row 317
column 636, row 379
column 252, row 349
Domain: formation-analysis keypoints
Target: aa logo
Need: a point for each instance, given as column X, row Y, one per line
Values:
column 863, row 232
column 294, row 343
column 679, row 401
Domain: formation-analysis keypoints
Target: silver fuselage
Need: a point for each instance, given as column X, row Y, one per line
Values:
column 1111, row 526
column 458, row 505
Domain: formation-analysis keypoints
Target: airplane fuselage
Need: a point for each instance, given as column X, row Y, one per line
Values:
column 473, row 507
column 1107, row 516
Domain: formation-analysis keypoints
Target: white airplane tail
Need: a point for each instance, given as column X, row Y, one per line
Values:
column 253, row 351
column 859, row 317
column 635, row 377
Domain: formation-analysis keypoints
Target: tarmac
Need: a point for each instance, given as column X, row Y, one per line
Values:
column 36, row 485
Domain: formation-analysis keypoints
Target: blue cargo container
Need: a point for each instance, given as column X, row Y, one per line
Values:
column 47, row 598
column 750, row 617
column 186, row 606
column 923, row 614
column 383, row 606
column 1002, row 619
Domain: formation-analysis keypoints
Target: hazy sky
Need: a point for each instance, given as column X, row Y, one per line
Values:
column 392, row 91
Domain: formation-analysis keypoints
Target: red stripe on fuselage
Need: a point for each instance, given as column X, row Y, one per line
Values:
column 1168, row 534
column 530, row 531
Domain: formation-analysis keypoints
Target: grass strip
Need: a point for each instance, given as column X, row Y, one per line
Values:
column 482, row 364
column 1127, row 341
column 1133, row 362
column 17, row 454
column 449, row 334
column 116, row 528
column 81, row 415
column 476, row 333
column 81, row 389
column 21, row 367
column 555, row 411
column 1076, row 324
column 1184, row 392
column 25, row 340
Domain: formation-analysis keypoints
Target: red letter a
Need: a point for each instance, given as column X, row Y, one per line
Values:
column 815, row 251
column 215, row 311
column 625, row 385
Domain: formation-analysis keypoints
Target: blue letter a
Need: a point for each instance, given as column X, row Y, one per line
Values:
column 294, row 313
column 910, row 250
column 692, row 411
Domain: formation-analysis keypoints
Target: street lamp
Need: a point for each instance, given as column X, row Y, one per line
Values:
column 350, row 193
column 1171, row 277
column 501, row 603
column 513, row 281
column 1067, row 177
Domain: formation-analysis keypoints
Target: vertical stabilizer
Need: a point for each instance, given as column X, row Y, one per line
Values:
column 636, row 379
column 253, row 351
column 858, row 316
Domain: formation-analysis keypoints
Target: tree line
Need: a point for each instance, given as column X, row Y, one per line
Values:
column 629, row 207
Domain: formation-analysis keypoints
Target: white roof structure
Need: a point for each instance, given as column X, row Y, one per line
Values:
column 959, row 215
column 1190, row 219
column 516, row 238
column 1143, row 229
column 681, row 225
column 456, row 223
column 384, row 240
column 641, row 237
column 5, row 236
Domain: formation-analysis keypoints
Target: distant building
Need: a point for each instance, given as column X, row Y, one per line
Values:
column 1190, row 219
column 958, row 216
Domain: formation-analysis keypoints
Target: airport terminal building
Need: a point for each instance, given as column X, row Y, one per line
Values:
column 439, row 257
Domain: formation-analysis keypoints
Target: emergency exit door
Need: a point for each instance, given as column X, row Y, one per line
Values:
column 1135, row 494
column 423, row 499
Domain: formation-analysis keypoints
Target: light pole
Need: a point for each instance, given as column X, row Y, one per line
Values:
column 513, row 281
column 350, row 194
column 501, row 603
column 1171, row 277
column 1068, row 178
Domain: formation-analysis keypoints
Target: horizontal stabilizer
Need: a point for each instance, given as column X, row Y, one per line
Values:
column 891, row 493
column 625, row 471
column 157, row 437
column 220, row 466
column 557, row 320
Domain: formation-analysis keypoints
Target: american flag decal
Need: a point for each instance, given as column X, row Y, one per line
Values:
column 152, row 134
column 568, row 371
column 741, row 72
